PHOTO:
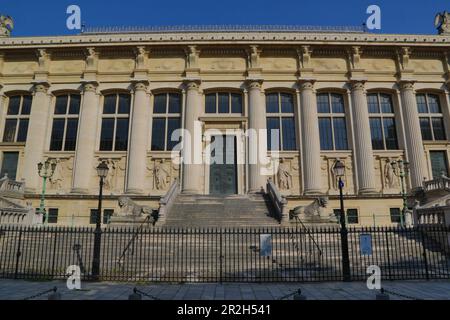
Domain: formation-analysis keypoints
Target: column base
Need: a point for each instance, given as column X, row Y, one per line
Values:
column 313, row 192
column 30, row 190
column 191, row 191
column 367, row 191
column 259, row 191
column 134, row 191
column 80, row 190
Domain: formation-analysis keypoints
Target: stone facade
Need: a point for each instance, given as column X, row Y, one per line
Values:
column 251, row 64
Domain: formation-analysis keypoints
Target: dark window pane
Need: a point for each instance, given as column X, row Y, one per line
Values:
column 74, row 107
column 52, row 215
column 340, row 134
column 10, row 130
column 107, row 214
column 57, row 135
column 26, row 105
column 158, row 134
column 172, row 125
column 23, row 130
column 109, row 106
column 390, row 133
column 9, row 164
column 323, row 103
column 438, row 128
column 236, row 103
column 386, row 103
column 71, row 135
column 174, row 103
column 438, row 160
column 14, row 105
column 210, row 103
column 224, row 103
column 106, row 136
column 376, row 133
column 287, row 103
column 121, row 134
column 160, row 103
column 93, row 216
column 395, row 215
column 124, row 103
column 272, row 103
column 425, row 127
column 288, row 131
column 421, row 103
column 61, row 104
column 337, row 103
column 372, row 102
column 434, row 104
column 273, row 124
column 352, row 216
column 326, row 135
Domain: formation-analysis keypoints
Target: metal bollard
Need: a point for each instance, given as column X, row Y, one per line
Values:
column 135, row 295
column 382, row 295
column 55, row 295
column 299, row 296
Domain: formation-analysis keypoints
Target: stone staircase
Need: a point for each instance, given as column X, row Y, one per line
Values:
column 221, row 211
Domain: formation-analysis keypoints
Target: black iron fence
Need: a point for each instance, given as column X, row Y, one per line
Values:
column 228, row 255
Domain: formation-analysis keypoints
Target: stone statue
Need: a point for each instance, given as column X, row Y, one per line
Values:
column 128, row 207
column 442, row 22
column 389, row 176
column 160, row 177
column 140, row 57
column 6, row 26
column 311, row 210
column 57, row 179
column 284, row 176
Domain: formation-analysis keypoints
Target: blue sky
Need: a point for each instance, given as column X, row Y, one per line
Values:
column 45, row 17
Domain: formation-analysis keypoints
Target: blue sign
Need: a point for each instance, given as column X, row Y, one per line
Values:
column 341, row 184
column 265, row 245
column 365, row 244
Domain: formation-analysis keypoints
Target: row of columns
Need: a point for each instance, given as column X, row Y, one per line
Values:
column 192, row 172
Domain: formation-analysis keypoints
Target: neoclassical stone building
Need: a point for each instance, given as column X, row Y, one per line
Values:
column 364, row 99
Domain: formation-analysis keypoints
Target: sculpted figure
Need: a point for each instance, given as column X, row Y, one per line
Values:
column 442, row 22
column 128, row 207
column 313, row 209
column 389, row 176
column 6, row 26
column 284, row 176
column 160, row 176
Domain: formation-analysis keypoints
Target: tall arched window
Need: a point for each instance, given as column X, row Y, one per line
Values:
column 430, row 117
column 280, row 116
column 17, row 118
column 223, row 102
column 115, row 122
column 65, row 122
column 166, row 119
column 382, row 121
column 332, row 125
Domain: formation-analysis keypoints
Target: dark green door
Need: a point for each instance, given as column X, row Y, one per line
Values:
column 222, row 170
column 438, row 161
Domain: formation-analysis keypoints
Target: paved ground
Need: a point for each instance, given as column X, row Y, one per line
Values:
column 19, row 289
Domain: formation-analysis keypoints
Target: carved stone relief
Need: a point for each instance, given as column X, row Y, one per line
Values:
column 60, row 181
column 161, row 173
column 115, row 180
column 287, row 176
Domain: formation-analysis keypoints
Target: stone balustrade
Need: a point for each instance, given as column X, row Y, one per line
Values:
column 441, row 183
column 166, row 202
column 432, row 216
column 279, row 202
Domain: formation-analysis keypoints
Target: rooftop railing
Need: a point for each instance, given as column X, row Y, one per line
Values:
column 220, row 28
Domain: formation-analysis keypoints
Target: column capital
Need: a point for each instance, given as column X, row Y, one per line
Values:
column 140, row 84
column 40, row 86
column 406, row 84
column 192, row 83
column 254, row 83
column 89, row 86
column 447, row 83
column 306, row 84
column 357, row 84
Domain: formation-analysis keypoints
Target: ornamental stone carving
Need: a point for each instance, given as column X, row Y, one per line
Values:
column 284, row 176
column 40, row 87
column 91, row 58
column 390, row 179
column 43, row 59
column 6, row 26
column 406, row 85
column 357, row 85
column 192, row 57
column 90, row 87
column 140, row 86
column 128, row 207
column 316, row 208
column 141, row 54
column 114, row 180
column 60, row 181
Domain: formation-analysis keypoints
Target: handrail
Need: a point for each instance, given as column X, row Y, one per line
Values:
column 278, row 201
column 146, row 220
column 297, row 220
column 165, row 203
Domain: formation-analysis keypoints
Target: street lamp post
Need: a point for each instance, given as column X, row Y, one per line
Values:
column 339, row 171
column 401, row 169
column 45, row 171
column 102, row 171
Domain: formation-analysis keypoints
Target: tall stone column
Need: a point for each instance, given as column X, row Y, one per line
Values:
column 192, row 140
column 363, row 141
column 137, row 156
column 37, row 130
column 84, row 155
column 413, row 135
column 258, row 141
column 310, row 138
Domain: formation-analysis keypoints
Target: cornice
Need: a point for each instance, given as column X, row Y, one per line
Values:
column 193, row 38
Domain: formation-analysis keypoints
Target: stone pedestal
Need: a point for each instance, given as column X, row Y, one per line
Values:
column 130, row 221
